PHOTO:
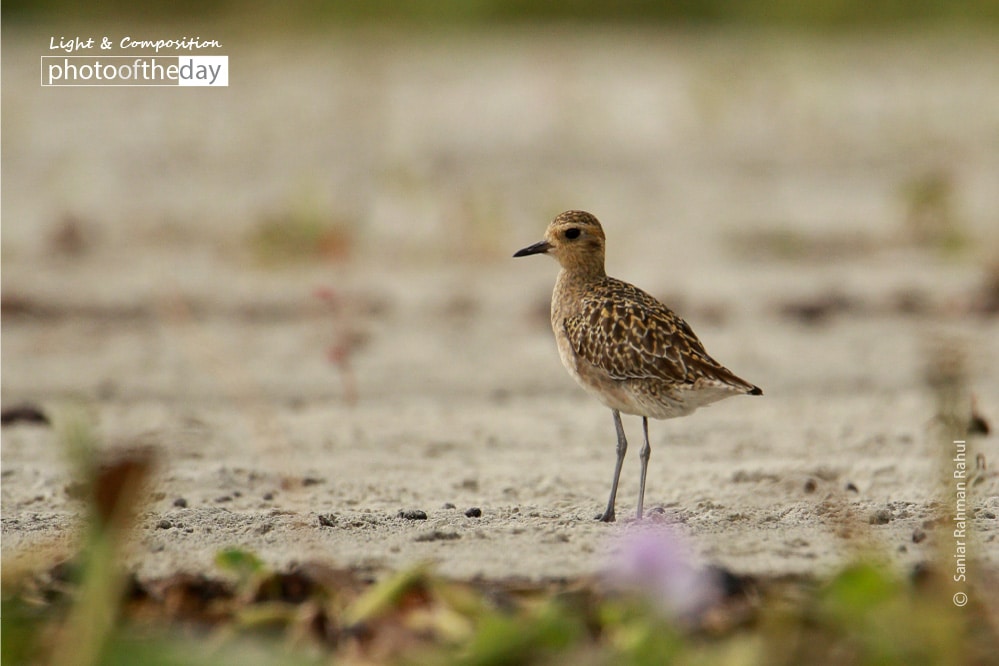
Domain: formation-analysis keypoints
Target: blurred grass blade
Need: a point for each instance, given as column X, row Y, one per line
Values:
column 385, row 595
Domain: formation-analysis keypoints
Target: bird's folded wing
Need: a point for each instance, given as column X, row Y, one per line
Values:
column 630, row 335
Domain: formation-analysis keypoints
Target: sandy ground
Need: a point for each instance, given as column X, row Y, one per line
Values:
column 738, row 177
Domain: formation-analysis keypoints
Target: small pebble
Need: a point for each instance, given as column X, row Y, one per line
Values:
column 413, row 514
column 810, row 486
column 164, row 525
column 23, row 414
column 880, row 517
column 224, row 498
column 327, row 520
column 918, row 535
column 311, row 481
column 268, row 497
column 474, row 512
column 978, row 425
column 181, row 502
column 852, row 488
column 448, row 505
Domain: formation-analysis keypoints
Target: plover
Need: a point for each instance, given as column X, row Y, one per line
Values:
column 622, row 345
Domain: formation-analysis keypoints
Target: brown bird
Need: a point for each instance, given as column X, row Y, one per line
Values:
column 622, row 345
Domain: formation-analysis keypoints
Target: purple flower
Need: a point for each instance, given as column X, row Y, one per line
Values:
column 655, row 563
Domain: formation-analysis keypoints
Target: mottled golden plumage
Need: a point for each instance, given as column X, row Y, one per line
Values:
column 643, row 347
column 621, row 344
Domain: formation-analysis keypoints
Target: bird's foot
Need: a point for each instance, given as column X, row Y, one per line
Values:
column 606, row 517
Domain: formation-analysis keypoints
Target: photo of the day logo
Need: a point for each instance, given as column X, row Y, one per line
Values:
column 135, row 71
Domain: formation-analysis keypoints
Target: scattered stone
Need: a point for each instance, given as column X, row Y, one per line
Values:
column 311, row 481
column 413, row 514
column 164, row 525
column 223, row 498
column 810, row 486
column 474, row 512
column 918, row 535
column 448, row 505
column 268, row 497
column 327, row 519
column 880, row 517
column 23, row 414
column 978, row 425
column 180, row 502
column 851, row 487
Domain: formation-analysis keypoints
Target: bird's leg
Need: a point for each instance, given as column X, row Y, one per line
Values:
column 644, row 456
column 622, row 448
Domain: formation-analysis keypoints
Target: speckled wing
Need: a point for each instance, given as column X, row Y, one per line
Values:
column 630, row 335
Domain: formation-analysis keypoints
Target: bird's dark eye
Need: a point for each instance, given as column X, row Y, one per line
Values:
column 572, row 233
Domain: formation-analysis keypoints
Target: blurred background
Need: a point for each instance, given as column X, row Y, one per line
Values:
column 731, row 148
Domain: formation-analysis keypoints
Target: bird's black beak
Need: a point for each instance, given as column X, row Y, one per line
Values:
column 537, row 248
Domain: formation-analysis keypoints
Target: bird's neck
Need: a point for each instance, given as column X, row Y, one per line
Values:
column 582, row 273
column 577, row 280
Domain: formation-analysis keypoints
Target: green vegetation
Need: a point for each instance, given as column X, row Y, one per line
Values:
column 863, row 615
column 90, row 611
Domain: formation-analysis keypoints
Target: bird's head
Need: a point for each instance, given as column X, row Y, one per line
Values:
column 575, row 239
